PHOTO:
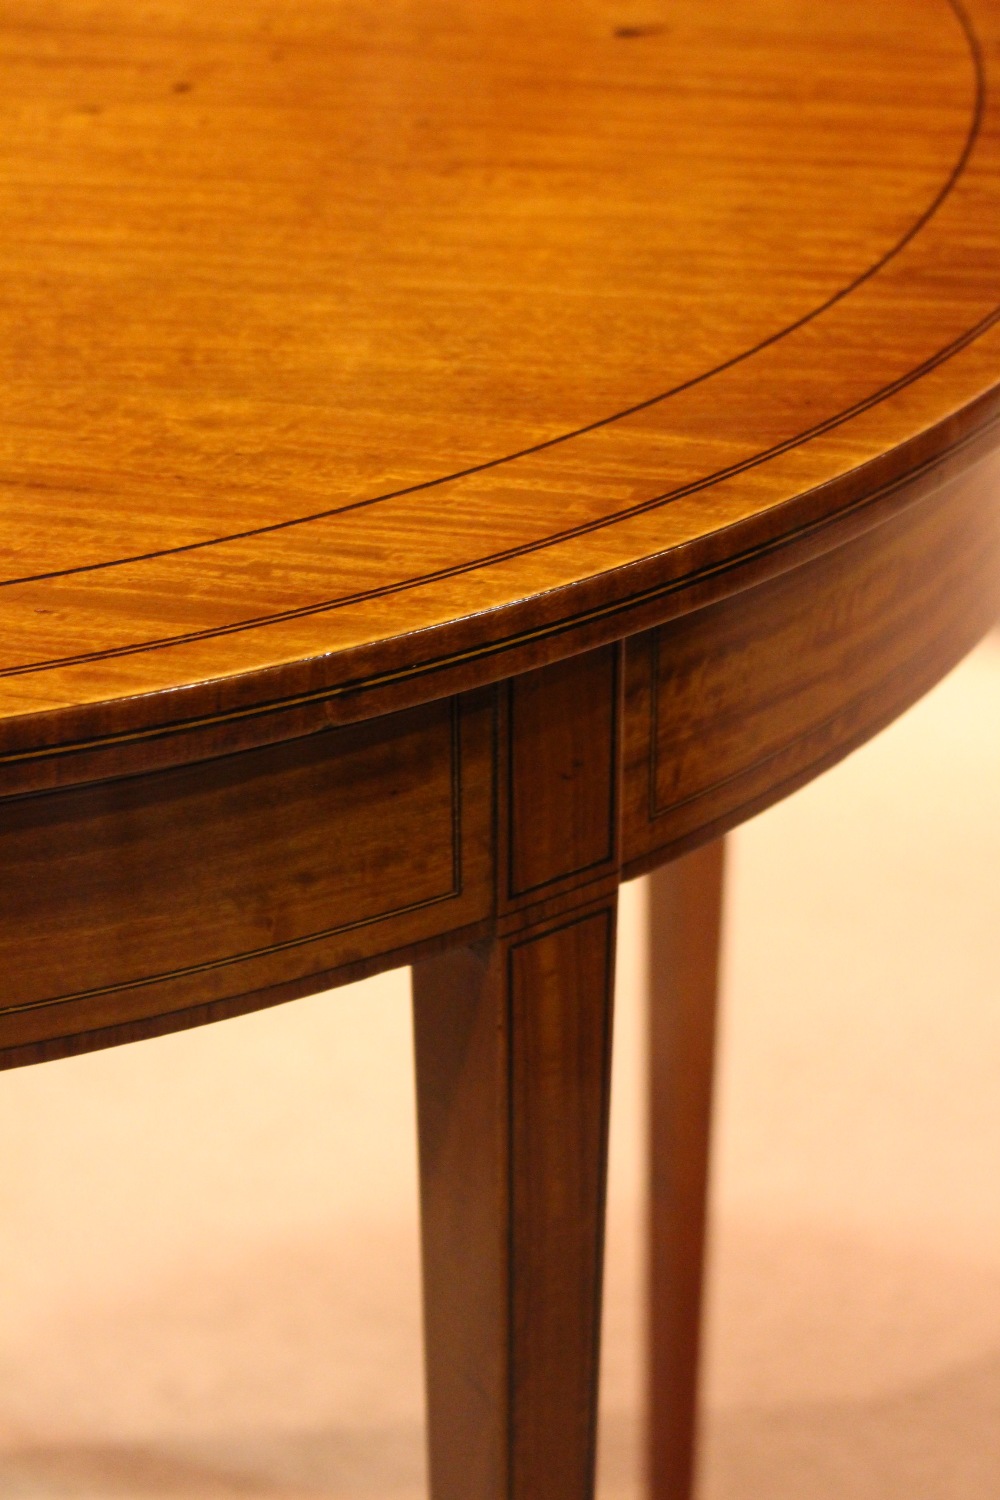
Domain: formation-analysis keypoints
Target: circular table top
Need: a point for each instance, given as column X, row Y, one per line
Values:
column 344, row 340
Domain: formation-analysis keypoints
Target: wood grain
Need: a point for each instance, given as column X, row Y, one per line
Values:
column 733, row 706
column 358, row 360
column 147, row 895
column 561, row 794
column 513, row 1049
column 513, row 1054
column 342, row 347
column 685, row 918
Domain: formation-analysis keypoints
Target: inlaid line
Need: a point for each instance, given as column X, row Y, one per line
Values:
column 920, row 223
column 400, row 586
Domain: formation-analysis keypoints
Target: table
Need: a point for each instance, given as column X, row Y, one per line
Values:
column 458, row 457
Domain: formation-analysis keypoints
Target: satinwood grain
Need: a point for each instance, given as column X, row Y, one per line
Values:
column 733, row 706
column 345, row 347
column 561, row 802
column 358, row 360
column 148, row 895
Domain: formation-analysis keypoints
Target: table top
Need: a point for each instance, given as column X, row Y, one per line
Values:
column 343, row 343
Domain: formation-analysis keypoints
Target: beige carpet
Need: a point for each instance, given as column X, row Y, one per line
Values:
column 208, row 1273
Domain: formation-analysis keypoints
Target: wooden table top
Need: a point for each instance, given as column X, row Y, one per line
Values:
column 349, row 344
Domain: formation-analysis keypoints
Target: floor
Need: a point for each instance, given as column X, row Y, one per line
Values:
column 208, row 1269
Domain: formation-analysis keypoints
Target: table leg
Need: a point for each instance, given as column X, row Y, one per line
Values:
column 684, row 930
column 513, row 1045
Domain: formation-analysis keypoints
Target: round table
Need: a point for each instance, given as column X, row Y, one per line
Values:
column 458, row 456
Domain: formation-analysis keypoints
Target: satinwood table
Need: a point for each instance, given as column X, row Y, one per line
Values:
column 458, row 455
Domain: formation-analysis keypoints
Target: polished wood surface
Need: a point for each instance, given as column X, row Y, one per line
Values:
column 513, row 1050
column 137, row 904
column 685, row 923
column 735, row 705
column 457, row 456
column 190, row 378
column 513, row 1054
column 349, row 348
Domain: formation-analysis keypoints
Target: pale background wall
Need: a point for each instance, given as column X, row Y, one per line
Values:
column 208, row 1274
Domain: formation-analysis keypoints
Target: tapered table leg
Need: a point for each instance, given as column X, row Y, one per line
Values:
column 513, row 1051
column 684, row 919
